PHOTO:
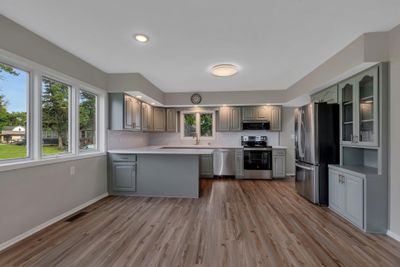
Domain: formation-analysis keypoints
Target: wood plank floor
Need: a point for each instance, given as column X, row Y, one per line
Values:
column 234, row 223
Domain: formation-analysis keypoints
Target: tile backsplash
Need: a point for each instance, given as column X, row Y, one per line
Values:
column 126, row 139
column 221, row 138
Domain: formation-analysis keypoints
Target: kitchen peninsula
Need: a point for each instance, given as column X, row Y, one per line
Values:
column 155, row 171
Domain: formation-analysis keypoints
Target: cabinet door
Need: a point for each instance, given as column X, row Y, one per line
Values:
column 206, row 165
column 224, row 119
column 249, row 113
column 275, row 118
column 128, row 107
column 347, row 112
column 278, row 167
column 354, row 207
column 123, row 176
column 159, row 119
column 239, row 168
column 136, row 114
column 145, row 117
column 236, row 119
column 264, row 113
column 336, row 192
column 366, row 128
column 171, row 120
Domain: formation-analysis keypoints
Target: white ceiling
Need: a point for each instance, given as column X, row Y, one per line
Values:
column 275, row 42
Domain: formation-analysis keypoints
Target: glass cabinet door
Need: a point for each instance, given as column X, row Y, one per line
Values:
column 346, row 92
column 367, row 85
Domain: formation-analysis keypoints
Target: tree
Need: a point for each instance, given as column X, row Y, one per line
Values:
column 3, row 102
column 87, row 116
column 55, row 109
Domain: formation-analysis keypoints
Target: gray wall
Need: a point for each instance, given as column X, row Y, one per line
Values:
column 32, row 196
column 394, row 48
column 20, row 41
column 287, row 138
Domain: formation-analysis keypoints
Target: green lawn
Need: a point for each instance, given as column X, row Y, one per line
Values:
column 14, row 151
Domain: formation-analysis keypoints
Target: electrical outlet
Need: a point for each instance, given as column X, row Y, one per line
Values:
column 72, row 170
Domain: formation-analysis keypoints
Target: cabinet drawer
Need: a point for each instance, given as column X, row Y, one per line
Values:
column 278, row 152
column 123, row 157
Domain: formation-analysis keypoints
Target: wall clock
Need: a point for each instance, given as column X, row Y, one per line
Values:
column 196, row 99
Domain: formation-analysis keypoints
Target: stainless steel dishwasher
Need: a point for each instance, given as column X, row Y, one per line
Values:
column 224, row 162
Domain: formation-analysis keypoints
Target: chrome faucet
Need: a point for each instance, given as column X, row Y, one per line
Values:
column 196, row 135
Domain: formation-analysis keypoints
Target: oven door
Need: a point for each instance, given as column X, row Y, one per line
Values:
column 257, row 163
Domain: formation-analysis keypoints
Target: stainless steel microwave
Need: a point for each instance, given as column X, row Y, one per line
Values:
column 256, row 125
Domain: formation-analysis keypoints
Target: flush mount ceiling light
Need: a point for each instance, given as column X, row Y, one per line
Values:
column 224, row 70
column 141, row 38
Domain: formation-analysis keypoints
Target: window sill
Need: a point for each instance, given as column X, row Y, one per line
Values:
column 46, row 161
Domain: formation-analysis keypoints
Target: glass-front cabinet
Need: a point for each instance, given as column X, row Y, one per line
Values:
column 359, row 109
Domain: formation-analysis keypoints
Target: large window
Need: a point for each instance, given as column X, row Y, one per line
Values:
column 14, row 95
column 55, row 117
column 87, row 120
column 198, row 123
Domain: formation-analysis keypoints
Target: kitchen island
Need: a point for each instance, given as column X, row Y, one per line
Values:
column 155, row 172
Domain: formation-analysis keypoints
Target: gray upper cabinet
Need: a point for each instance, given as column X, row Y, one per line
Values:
column 229, row 119
column 171, row 120
column 264, row 113
column 275, row 122
column 358, row 98
column 147, row 117
column 124, row 112
column 159, row 119
column 236, row 119
column 329, row 95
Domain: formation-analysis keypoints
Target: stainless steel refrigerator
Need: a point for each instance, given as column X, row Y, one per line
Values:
column 317, row 145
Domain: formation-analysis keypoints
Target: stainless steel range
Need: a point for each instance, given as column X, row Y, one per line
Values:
column 257, row 157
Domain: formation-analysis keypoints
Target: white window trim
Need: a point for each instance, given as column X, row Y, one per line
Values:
column 36, row 72
column 197, row 113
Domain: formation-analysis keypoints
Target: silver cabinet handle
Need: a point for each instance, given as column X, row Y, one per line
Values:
column 304, row 167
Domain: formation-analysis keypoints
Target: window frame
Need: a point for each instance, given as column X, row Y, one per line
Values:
column 29, row 105
column 198, row 128
column 34, row 114
column 96, row 135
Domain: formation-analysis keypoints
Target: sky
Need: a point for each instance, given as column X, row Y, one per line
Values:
column 14, row 88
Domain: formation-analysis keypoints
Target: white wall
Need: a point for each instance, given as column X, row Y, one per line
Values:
column 31, row 196
column 287, row 138
column 394, row 53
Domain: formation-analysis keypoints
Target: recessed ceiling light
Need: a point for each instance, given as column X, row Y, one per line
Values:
column 153, row 103
column 138, row 96
column 224, row 70
column 141, row 38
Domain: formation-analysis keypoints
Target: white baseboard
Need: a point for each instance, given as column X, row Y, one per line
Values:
column 49, row 222
column 290, row 174
column 393, row 235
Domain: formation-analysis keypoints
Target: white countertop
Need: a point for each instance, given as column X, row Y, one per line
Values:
column 279, row 147
column 202, row 146
column 163, row 150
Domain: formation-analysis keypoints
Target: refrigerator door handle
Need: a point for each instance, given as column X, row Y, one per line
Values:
column 304, row 167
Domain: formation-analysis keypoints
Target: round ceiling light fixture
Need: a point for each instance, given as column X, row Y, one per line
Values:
column 224, row 70
column 141, row 38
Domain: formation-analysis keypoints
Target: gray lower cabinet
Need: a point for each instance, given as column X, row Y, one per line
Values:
column 239, row 165
column 171, row 120
column 206, row 166
column 278, row 163
column 359, row 194
column 229, row 119
column 346, row 196
column 122, row 173
column 159, row 119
